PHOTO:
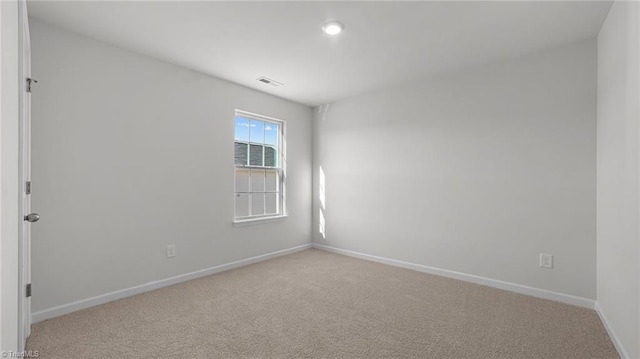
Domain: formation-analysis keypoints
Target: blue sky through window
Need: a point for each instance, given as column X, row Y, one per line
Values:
column 257, row 131
column 271, row 134
column 242, row 129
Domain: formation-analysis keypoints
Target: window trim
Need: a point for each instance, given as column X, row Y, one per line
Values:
column 249, row 221
column 282, row 171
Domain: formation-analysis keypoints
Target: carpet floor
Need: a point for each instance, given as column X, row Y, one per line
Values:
column 315, row 304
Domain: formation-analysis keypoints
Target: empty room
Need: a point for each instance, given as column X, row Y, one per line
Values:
column 301, row 179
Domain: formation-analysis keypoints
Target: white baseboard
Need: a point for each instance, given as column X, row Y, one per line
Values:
column 612, row 334
column 522, row 289
column 109, row 297
column 535, row 292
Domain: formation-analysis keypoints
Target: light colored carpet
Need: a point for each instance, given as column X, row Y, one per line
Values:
column 315, row 304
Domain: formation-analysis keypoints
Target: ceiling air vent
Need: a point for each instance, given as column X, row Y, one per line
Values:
column 268, row 81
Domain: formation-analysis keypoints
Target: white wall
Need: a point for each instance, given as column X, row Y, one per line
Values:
column 618, row 181
column 131, row 154
column 476, row 172
column 9, row 216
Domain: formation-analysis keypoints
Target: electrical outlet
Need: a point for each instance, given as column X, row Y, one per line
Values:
column 546, row 260
column 171, row 250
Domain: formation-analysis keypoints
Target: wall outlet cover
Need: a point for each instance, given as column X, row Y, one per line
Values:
column 546, row 260
column 171, row 250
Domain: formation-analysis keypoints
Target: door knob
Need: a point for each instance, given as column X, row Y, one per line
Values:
column 32, row 217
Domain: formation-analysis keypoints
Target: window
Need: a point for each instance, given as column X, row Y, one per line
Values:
column 259, row 166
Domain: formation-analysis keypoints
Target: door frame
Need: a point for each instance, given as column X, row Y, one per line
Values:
column 24, row 208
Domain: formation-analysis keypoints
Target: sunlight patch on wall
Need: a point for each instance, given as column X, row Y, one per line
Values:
column 322, row 225
column 322, row 204
column 322, row 195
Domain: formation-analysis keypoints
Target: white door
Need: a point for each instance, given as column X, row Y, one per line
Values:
column 24, row 256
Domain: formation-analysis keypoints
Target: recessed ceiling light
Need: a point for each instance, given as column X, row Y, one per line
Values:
column 332, row 27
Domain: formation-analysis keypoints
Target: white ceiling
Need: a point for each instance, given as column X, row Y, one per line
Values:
column 383, row 43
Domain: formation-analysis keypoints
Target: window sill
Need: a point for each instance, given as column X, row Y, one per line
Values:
column 261, row 220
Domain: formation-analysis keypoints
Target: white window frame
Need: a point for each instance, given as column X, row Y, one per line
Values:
column 282, row 163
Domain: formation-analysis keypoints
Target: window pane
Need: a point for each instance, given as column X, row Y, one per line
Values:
column 241, row 153
column 242, row 204
column 257, row 144
column 257, row 180
column 257, row 204
column 257, row 131
column 271, row 203
column 270, row 157
column 271, row 134
column 242, row 180
column 271, row 182
column 242, row 129
column 255, row 158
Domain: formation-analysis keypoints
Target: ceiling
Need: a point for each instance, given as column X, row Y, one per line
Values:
column 383, row 43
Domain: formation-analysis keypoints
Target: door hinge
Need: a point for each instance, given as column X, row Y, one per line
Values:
column 27, row 187
column 30, row 81
column 28, row 290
